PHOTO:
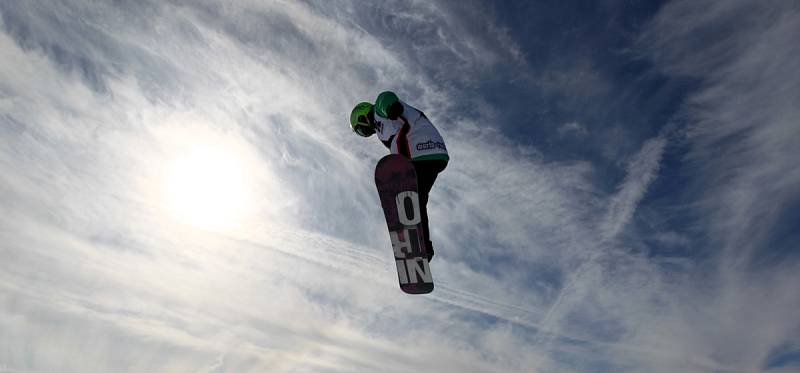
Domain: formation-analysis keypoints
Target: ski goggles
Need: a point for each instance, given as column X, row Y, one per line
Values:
column 363, row 127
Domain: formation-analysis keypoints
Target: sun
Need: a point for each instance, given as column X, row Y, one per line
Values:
column 207, row 186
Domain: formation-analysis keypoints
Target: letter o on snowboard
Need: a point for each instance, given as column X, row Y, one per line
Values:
column 401, row 199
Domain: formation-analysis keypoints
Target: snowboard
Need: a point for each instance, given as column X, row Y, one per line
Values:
column 396, row 181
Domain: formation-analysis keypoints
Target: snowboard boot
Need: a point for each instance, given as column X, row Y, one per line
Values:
column 429, row 245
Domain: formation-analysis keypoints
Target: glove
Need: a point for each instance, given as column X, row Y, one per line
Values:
column 395, row 110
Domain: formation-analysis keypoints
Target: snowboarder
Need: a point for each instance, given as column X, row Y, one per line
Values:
column 405, row 130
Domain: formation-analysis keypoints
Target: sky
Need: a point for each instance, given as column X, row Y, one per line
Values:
column 181, row 191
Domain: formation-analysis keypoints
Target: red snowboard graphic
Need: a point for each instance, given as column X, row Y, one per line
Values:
column 396, row 181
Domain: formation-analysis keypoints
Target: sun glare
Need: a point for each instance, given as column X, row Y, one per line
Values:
column 207, row 187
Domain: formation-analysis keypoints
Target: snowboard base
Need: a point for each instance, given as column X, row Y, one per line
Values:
column 396, row 181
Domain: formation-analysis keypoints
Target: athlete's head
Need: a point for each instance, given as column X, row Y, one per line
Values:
column 361, row 121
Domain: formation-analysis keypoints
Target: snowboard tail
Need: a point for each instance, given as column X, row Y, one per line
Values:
column 396, row 181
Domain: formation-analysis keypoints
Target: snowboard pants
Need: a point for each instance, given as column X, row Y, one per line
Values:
column 426, row 175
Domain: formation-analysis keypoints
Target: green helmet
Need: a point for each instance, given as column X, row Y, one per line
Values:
column 384, row 102
column 360, row 122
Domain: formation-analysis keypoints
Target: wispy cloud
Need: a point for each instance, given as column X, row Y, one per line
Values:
column 94, row 112
column 742, row 132
column 575, row 128
column 642, row 169
column 538, row 268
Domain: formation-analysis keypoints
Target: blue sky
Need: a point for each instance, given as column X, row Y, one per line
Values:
column 181, row 190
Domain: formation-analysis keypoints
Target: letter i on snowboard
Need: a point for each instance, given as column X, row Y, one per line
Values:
column 396, row 181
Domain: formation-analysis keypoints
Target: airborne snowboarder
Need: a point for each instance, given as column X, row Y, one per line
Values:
column 405, row 131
